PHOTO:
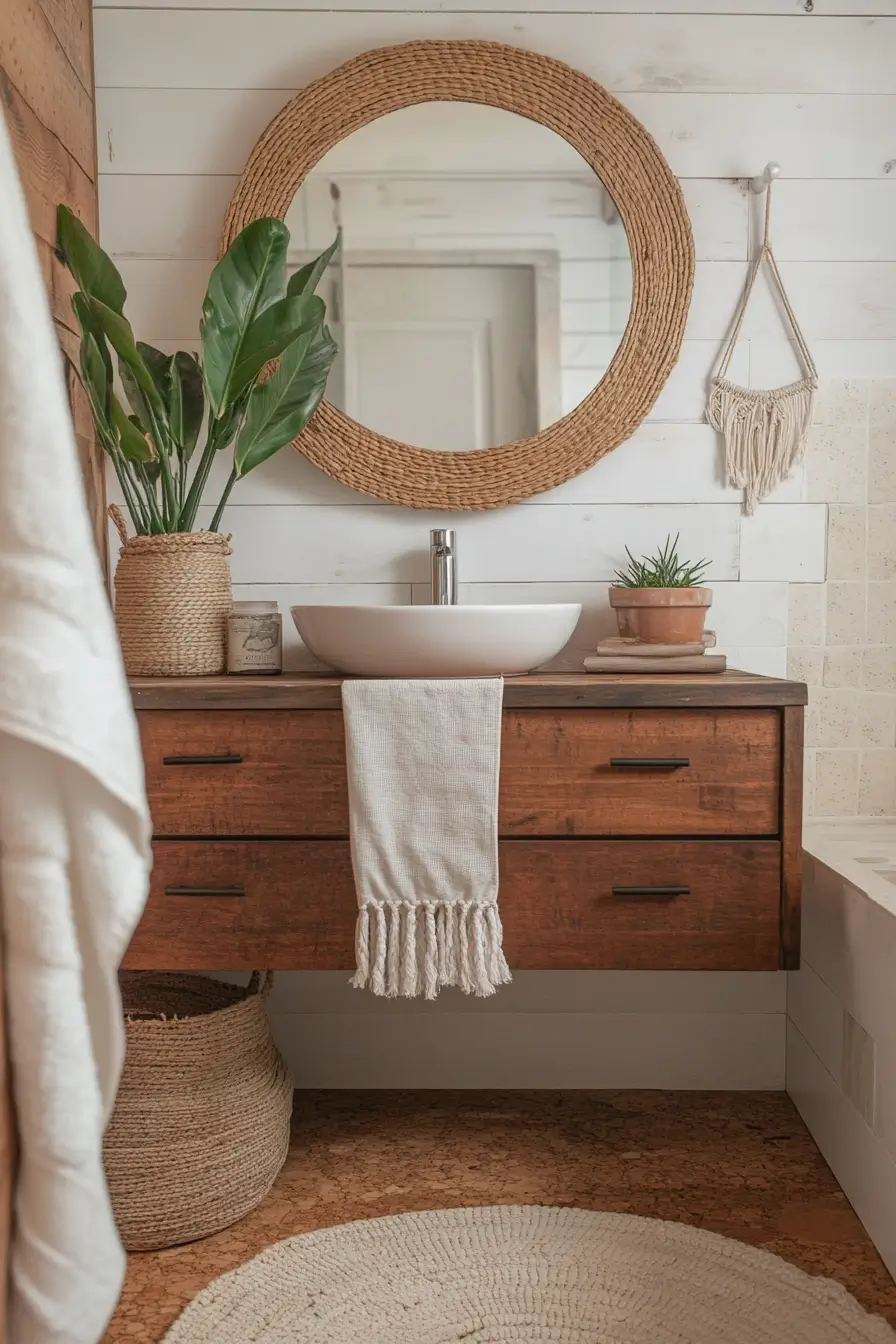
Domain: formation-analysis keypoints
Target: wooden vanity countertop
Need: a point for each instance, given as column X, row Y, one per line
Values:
column 537, row 690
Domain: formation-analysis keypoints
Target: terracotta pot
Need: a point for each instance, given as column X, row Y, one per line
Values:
column 661, row 615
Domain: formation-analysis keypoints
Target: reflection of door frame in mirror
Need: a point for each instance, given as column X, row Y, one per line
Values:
column 479, row 337
column 615, row 146
column 545, row 268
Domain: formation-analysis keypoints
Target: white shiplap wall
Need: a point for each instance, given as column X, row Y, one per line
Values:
column 184, row 87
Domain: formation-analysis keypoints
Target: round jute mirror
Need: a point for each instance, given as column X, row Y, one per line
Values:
column 495, row 283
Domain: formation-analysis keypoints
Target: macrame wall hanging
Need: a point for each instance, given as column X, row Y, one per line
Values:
column 764, row 429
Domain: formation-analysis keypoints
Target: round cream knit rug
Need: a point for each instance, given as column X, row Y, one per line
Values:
column 506, row 1273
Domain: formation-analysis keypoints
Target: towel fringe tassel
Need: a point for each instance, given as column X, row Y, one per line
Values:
column 455, row 943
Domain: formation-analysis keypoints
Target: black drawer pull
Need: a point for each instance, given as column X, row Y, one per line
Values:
column 649, row 762
column 663, row 893
column 202, row 760
column 205, row 891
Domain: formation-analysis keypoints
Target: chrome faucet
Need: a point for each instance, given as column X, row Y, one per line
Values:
column 443, row 564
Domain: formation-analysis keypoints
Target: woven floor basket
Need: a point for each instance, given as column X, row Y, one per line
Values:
column 172, row 600
column 201, row 1123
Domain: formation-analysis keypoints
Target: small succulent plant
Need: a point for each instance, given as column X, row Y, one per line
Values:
column 663, row 570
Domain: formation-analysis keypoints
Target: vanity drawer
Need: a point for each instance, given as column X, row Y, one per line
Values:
column 563, row 772
column 252, row 772
column 640, row 772
column 565, row 905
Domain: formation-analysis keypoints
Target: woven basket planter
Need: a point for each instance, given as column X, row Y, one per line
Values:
column 201, row 1122
column 172, row 600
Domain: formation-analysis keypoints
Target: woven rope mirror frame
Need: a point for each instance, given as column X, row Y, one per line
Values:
column 650, row 204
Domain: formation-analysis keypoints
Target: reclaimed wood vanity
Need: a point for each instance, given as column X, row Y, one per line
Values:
column 645, row 823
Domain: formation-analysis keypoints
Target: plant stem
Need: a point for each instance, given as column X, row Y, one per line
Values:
column 200, row 478
column 134, row 507
column 157, row 522
column 163, row 447
column 231, row 482
column 181, row 484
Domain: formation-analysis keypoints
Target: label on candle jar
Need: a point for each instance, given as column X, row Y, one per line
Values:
column 255, row 639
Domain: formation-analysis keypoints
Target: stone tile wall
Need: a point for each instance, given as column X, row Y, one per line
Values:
column 842, row 633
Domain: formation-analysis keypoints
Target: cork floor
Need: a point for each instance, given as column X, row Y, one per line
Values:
column 742, row 1164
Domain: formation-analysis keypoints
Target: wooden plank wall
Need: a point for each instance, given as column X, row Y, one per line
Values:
column 46, row 87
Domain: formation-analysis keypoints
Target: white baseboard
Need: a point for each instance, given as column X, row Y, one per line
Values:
column 577, row 1029
column 863, row 1167
column 701, row 1051
column 595, row 992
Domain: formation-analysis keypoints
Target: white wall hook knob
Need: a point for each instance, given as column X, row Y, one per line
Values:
column 765, row 178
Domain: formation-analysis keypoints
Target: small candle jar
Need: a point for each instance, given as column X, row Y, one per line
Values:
column 255, row 639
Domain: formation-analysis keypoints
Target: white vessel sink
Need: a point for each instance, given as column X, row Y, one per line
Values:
column 436, row 641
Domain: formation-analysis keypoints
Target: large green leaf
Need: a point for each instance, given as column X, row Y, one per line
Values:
column 94, row 271
column 280, row 409
column 306, row 279
column 321, row 352
column 135, row 397
column 186, row 401
column 117, row 331
column 97, row 381
column 131, row 442
column 249, row 278
column 88, row 324
column 271, row 333
column 227, row 428
column 96, row 368
column 159, row 366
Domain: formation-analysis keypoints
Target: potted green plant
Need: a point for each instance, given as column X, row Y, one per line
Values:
column 265, row 354
column 660, row 599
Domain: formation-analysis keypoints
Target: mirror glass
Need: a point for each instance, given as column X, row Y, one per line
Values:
column 484, row 282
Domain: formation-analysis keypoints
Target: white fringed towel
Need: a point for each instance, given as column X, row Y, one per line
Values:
column 423, row 764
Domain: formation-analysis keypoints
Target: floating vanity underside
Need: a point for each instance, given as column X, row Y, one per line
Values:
column 645, row 823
